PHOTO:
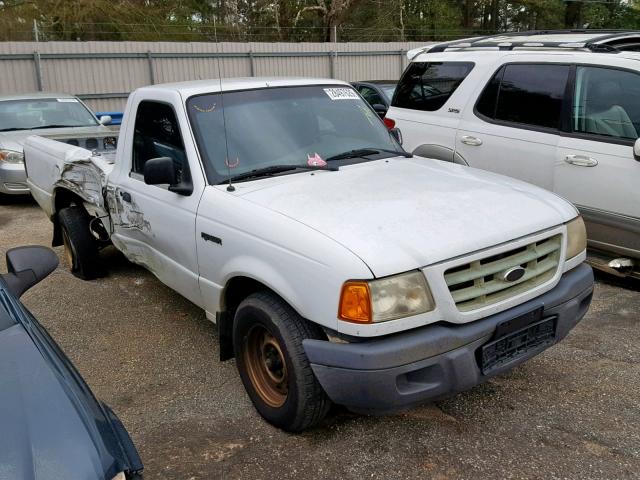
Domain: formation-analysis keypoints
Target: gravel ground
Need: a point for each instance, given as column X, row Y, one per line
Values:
column 572, row 412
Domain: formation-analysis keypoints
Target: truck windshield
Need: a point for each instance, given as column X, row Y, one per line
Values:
column 284, row 126
column 44, row 112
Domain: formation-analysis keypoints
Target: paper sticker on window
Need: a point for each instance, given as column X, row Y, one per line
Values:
column 67, row 100
column 341, row 93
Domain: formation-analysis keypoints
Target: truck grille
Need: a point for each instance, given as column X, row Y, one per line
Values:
column 480, row 283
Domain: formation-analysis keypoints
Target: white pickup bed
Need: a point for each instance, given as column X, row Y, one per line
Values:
column 52, row 164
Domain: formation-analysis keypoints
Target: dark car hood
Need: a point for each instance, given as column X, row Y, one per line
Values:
column 43, row 437
column 51, row 425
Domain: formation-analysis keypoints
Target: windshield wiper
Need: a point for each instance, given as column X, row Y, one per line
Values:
column 12, row 129
column 273, row 169
column 53, row 126
column 364, row 152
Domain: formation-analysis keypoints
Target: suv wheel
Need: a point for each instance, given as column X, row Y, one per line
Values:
column 267, row 338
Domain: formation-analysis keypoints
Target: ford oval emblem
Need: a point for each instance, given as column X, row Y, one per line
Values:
column 513, row 274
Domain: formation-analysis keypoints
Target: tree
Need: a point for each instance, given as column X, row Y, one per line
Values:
column 301, row 20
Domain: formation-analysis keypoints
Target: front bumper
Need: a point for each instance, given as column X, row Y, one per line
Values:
column 432, row 362
column 13, row 178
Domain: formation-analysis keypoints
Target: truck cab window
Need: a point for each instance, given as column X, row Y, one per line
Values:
column 157, row 134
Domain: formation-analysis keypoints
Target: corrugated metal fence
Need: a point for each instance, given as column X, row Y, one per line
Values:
column 104, row 73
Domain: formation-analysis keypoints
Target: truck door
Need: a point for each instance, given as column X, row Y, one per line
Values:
column 595, row 167
column 154, row 226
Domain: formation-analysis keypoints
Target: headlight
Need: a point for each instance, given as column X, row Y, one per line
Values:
column 385, row 299
column 576, row 237
column 10, row 156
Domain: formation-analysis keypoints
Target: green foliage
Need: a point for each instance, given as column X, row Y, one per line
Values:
column 301, row 20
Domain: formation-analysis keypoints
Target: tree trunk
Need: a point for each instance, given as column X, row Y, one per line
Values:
column 495, row 12
column 573, row 15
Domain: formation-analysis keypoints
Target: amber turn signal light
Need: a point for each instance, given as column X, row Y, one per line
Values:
column 355, row 302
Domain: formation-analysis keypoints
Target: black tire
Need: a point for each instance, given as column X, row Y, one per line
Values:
column 81, row 248
column 305, row 403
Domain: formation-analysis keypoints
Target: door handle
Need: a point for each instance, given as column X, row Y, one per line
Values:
column 581, row 160
column 126, row 196
column 473, row 141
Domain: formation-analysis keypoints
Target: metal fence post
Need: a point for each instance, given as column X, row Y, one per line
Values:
column 332, row 64
column 252, row 67
column 152, row 75
column 402, row 56
column 38, row 70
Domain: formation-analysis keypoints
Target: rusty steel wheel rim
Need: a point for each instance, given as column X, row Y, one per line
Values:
column 266, row 366
column 68, row 252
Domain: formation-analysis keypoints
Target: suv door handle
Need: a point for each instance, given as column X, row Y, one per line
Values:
column 473, row 141
column 581, row 160
column 126, row 196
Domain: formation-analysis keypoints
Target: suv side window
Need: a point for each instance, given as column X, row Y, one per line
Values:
column 605, row 102
column 528, row 94
column 428, row 85
column 156, row 134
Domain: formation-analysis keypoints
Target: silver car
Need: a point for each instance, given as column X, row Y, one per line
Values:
column 46, row 114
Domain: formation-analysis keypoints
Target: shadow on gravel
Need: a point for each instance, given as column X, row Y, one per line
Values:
column 16, row 200
column 626, row 283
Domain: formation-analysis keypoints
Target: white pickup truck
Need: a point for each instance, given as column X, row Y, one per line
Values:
column 338, row 267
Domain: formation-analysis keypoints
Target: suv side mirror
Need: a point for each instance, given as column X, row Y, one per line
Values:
column 105, row 120
column 380, row 109
column 160, row 171
column 636, row 149
column 28, row 266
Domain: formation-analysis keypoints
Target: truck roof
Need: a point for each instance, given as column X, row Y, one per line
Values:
column 197, row 87
column 35, row 95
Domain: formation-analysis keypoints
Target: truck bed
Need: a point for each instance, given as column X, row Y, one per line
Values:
column 51, row 164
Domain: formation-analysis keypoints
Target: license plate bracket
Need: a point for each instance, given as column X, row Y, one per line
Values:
column 518, row 323
column 514, row 340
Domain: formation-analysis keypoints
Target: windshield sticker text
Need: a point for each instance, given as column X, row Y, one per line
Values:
column 341, row 93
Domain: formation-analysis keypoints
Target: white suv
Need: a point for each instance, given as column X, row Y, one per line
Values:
column 560, row 110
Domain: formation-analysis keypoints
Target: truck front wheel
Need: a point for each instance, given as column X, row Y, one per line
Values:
column 80, row 247
column 267, row 337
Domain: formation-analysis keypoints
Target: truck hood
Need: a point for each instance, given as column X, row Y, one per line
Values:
column 399, row 214
column 15, row 140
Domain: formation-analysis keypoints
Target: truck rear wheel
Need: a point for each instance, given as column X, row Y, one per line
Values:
column 267, row 337
column 80, row 247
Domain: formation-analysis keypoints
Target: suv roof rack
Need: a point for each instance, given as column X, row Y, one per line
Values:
column 501, row 41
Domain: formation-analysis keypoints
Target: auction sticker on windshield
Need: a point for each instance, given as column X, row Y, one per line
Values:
column 341, row 93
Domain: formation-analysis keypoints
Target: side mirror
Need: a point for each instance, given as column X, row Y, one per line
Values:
column 380, row 109
column 636, row 149
column 160, row 171
column 396, row 134
column 28, row 266
column 105, row 120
